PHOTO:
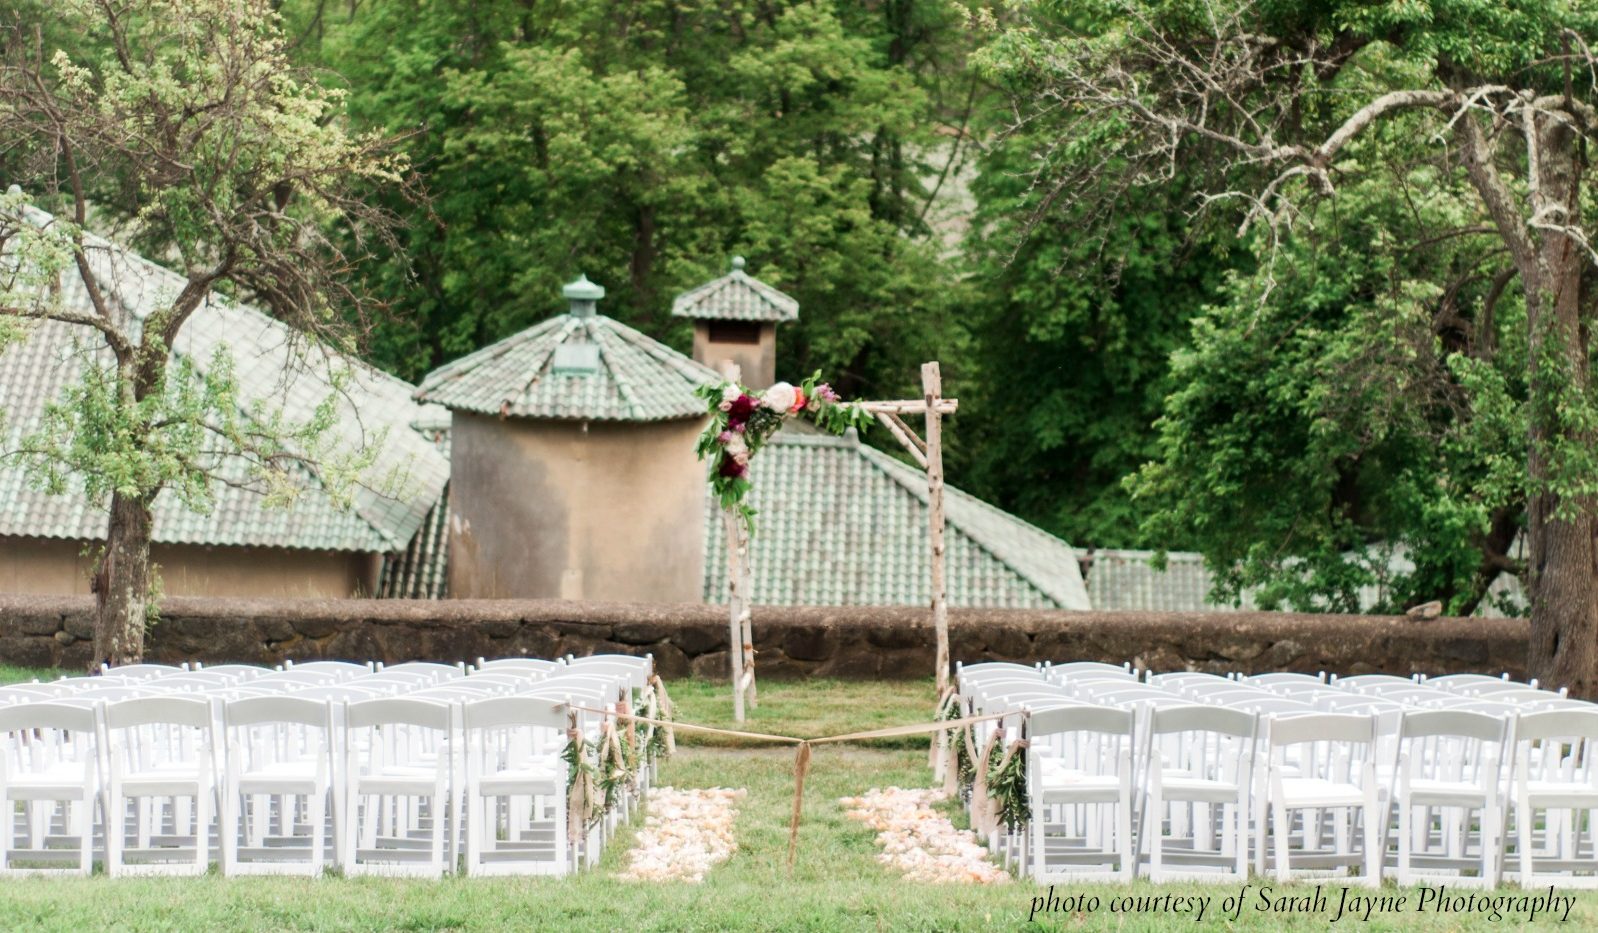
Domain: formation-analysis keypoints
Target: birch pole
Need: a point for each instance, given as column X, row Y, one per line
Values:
column 740, row 580
column 932, row 392
column 738, row 615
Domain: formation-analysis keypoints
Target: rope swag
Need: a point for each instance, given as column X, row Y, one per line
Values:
column 741, row 422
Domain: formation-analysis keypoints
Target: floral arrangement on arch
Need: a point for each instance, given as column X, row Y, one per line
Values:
column 742, row 420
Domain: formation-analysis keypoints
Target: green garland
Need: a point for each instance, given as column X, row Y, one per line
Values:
column 965, row 768
column 1007, row 785
column 742, row 420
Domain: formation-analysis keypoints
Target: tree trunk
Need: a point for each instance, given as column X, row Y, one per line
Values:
column 1562, row 550
column 122, row 582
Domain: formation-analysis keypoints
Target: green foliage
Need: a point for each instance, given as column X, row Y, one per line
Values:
column 645, row 143
column 1329, row 417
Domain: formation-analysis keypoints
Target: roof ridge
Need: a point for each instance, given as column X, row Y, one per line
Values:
column 461, row 365
column 900, row 473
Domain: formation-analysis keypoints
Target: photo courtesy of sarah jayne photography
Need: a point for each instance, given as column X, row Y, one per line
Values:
column 813, row 465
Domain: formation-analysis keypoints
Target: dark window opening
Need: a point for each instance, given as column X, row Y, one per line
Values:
column 734, row 331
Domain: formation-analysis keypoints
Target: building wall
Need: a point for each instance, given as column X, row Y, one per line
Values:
column 576, row 510
column 49, row 566
column 757, row 362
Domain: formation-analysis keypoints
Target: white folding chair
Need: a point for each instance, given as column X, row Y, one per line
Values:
column 49, row 760
column 160, row 748
column 1450, row 766
column 515, row 787
column 397, row 786
column 1200, row 772
column 279, row 750
column 1079, row 765
column 1556, row 772
column 1335, row 772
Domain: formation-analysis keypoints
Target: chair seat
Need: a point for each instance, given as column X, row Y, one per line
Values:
column 1059, row 784
column 1316, row 792
column 59, row 781
column 172, row 779
column 534, row 778
column 1560, row 794
column 1181, row 786
column 399, row 779
column 1446, row 793
column 281, row 777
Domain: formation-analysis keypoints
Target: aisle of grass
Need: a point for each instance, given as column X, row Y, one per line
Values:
column 836, row 884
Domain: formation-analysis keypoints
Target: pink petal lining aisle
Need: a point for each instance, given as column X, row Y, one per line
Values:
column 686, row 833
column 920, row 842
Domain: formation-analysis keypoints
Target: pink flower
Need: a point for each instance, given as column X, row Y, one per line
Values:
column 724, row 438
column 826, row 394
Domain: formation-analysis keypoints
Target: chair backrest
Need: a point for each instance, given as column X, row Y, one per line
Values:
column 1084, row 667
column 270, row 709
column 1448, row 722
column 192, row 711
column 427, row 714
column 634, row 675
column 1322, row 727
column 513, row 665
column 1557, row 724
column 1365, row 680
column 1278, row 678
column 1064, row 719
column 342, row 669
column 142, row 670
column 514, row 711
column 62, row 717
column 1194, row 717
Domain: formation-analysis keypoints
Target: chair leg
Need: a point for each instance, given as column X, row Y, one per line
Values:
column 1405, row 839
column 316, row 812
column 202, row 829
column 1280, row 823
column 1523, row 817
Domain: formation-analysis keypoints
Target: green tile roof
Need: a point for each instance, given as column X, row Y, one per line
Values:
column 843, row 524
column 736, row 296
column 273, row 368
column 635, row 378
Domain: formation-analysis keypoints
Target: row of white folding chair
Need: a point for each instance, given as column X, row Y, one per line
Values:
column 485, row 687
column 1143, row 705
column 172, row 759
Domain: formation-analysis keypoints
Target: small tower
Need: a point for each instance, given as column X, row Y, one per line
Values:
column 735, row 320
column 572, row 466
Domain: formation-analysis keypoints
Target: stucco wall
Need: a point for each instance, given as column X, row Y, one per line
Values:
column 791, row 642
column 757, row 362
column 576, row 510
column 58, row 567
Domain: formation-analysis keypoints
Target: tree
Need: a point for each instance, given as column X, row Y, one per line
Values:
column 645, row 144
column 1267, row 99
column 184, row 119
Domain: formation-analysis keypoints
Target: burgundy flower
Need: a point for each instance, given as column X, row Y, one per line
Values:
column 742, row 407
column 732, row 469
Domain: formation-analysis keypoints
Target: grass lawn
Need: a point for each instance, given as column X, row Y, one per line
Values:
column 836, row 885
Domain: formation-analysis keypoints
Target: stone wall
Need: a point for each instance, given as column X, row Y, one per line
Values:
column 45, row 631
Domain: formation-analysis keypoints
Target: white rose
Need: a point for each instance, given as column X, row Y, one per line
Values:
column 779, row 397
column 730, row 393
column 737, row 447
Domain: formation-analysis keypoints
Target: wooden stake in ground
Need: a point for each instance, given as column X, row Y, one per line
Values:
column 928, row 454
